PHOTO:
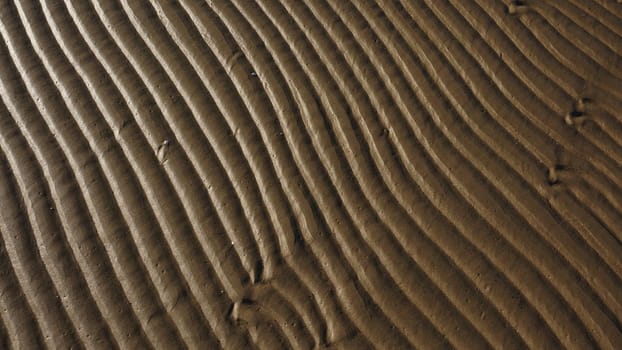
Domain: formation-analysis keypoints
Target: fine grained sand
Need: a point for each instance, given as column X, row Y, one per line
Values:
column 311, row 174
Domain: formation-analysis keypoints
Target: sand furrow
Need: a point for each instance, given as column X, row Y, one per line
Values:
column 376, row 231
column 537, row 183
column 131, row 148
column 20, row 326
column 37, row 284
column 382, row 208
column 344, row 217
column 261, row 114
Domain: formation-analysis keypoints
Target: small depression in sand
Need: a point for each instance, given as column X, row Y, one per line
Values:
column 310, row 174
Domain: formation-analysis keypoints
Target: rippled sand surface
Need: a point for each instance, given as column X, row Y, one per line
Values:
column 310, row 174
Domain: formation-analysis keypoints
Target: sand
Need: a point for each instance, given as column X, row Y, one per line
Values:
column 317, row 174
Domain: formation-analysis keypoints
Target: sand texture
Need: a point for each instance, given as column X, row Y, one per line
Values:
column 310, row 174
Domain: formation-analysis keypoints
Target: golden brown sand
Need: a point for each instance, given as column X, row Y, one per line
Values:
column 311, row 174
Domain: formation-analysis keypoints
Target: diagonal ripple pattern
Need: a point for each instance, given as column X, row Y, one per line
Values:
column 310, row 174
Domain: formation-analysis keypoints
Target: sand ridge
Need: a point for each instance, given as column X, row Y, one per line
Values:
column 311, row 174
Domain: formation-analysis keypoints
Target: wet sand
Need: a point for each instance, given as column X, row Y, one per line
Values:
column 318, row 174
